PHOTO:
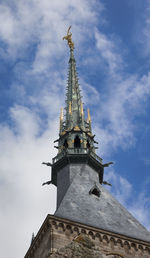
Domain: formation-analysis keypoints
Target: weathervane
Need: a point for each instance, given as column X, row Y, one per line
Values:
column 68, row 37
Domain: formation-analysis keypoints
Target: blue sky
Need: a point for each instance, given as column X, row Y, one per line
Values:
column 112, row 49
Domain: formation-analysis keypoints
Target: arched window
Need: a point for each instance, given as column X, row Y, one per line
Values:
column 88, row 144
column 77, row 142
column 65, row 144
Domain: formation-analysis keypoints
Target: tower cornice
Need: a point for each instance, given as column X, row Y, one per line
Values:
column 55, row 226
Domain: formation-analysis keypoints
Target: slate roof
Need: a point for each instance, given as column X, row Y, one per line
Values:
column 103, row 212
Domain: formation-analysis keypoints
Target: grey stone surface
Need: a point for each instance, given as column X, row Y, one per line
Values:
column 83, row 248
column 63, row 182
column 103, row 212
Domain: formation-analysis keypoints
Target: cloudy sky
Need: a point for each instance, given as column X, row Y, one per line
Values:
column 112, row 50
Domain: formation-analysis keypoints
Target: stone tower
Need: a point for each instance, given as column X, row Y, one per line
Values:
column 89, row 221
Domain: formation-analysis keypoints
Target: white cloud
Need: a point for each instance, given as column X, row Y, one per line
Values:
column 121, row 188
column 140, row 208
column 124, row 102
column 144, row 35
column 140, row 34
column 44, row 23
column 146, row 160
column 89, row 90
column 109, row 52
column 124, row 98
column 22, row 175
column 25, row 121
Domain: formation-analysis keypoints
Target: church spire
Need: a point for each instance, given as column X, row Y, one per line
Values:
column 76, row 141
column 74, row 106
column 73, row 101
column 75, row 132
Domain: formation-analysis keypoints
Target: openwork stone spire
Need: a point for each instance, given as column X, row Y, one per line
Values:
column 75, row 131
column 74, row 105
column 76, row 142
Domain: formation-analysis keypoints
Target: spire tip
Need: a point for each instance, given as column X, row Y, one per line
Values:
column 68, row 37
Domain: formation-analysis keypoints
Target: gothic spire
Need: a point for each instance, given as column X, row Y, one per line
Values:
column 75, row 132
column 76, row 142
column 74, row 105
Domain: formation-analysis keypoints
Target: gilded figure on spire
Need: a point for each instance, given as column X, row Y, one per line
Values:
column 68, row 37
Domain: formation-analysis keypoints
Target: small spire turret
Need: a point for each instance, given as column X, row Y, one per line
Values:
column 61, row 115
column 70, row 108
column 89, row 120
column 89, row 116
column 81, row 109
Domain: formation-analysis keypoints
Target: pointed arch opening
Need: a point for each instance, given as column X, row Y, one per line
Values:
column 65, row 144
column 88, row 144
column 77, row 142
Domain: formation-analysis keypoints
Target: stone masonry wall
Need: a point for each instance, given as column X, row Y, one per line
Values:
column 62, row 238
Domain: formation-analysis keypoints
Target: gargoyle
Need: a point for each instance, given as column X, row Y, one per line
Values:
column 47, row 183
column 47, row 164
column 106, row 183
column 56, row 140
column 107, row 164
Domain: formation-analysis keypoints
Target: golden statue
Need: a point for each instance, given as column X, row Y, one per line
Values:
column 69, row 38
